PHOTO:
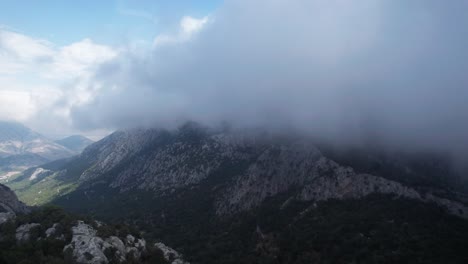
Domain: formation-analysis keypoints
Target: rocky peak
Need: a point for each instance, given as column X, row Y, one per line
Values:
column 9, row 203
column 76, row 143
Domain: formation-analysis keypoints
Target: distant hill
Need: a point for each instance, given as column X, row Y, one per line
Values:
column 21, row 148
column 76, row 143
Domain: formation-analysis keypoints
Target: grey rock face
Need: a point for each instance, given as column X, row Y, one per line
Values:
column 87, row 248
column 317, row 179
column 106, row 154
column 176, row 165
column 277, row 169
column 23, row 232
column 5, row 217
column 334, row 181
column 170, row 254
column 53, row 232
column 9, row 203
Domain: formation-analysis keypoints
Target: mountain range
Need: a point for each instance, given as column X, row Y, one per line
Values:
column 229, row 196
column 21, row 148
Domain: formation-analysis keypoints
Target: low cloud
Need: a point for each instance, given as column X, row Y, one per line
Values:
column 392, row 71
column 351, row 71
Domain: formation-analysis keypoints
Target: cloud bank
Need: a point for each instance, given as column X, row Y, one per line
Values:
column 394, row 71
column 390, row 71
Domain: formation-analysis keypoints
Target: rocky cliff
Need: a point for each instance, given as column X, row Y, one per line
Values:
column 10, row 206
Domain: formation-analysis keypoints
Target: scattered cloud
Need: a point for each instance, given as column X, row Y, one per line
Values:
column 123, row 9
column 188, row 27
column 80, row 58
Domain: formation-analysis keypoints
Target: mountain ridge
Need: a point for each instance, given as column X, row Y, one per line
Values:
column 22, row 148
column 193, row 185
column 149, row 159
column 76, row 143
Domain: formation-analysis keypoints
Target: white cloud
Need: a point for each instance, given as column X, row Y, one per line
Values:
column 23, row 47
column 188, row 26
column 80, row 58
column 15, row 105
column 40, row 82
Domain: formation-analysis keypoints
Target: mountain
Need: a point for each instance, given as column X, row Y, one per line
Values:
column 76, row 143
column 21, row 148
column 227, row 196
column 16, row 139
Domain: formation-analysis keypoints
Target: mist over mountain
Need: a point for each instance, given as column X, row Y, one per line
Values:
column 387, row 73
column 256, row 132
column 76, row 142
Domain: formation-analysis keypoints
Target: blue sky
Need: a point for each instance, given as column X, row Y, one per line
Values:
column 105, row 21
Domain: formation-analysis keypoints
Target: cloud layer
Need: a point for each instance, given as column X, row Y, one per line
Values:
column 393, row 71
column 353, row 71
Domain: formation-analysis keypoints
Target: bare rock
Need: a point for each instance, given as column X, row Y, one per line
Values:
column 87, row 248
column 23, row 232
column 170, row 254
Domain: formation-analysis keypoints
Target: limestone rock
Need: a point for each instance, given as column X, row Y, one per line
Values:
column 170, row 254
column 10, row 203
column 23, row 232
column 6, row 216
column 87, row 248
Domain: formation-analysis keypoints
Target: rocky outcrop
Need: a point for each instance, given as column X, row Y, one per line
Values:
column 10, row 205
column 171, row 255
column 85, row 246
column 5, row 217
column 55, row 232
column 88, row 248
column 277, row 169
column 23, row 232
